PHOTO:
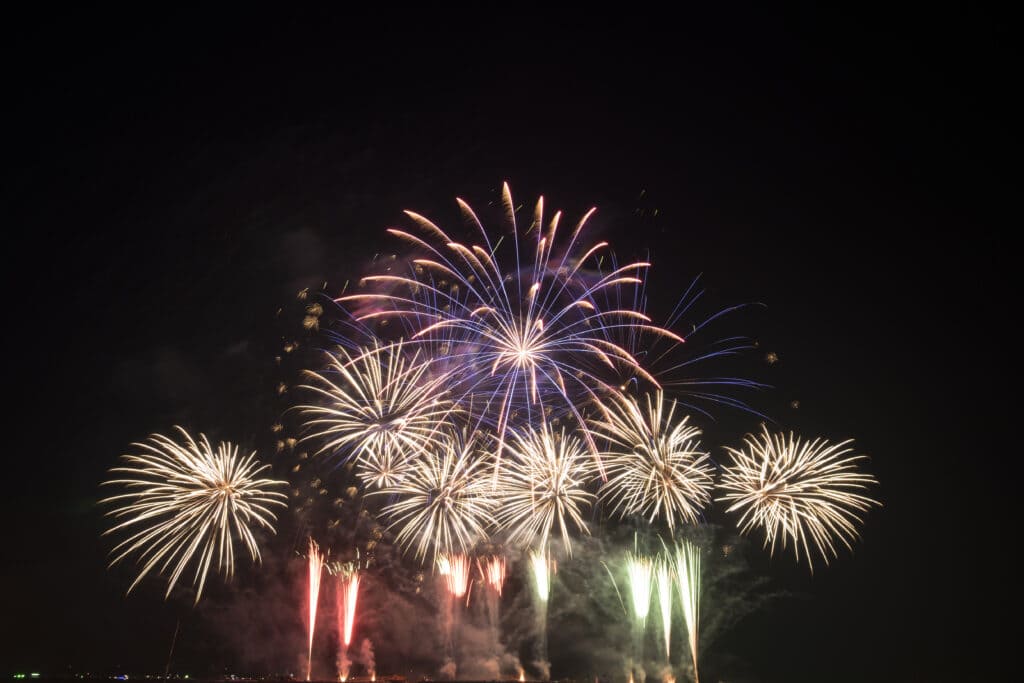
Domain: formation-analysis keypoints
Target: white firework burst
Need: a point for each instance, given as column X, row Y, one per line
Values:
column 542, row 487
column 444, row 502
column 654, row 463
column 800, row 492
column 186, row 501
column 381, row 406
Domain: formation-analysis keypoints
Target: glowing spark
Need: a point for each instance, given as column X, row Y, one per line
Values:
column 186, row 501
column 688, row 576
column 797, row 491
column 316, row 566
column 542, row 487
column 654, row 464
column 380, row 406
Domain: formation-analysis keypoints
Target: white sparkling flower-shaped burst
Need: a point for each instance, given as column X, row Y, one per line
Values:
column 541, row 487
column 185, row 501
column 799, row 492
column 381, row 406
column 653, row 461
column 444, row 504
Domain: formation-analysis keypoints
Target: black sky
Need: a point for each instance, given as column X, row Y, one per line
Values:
column 173, row 179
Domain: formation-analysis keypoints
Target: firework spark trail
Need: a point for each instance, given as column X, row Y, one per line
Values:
column 349, row 588
column 455, row 569
column 671, row 362
column 444, row 503
column 186, row 501
column 542, row 487
column 639, row 570
column 492, row 573
column 541, row 568
column 797, row 491
column 346, row 597
column 495, row 573
column 654, row 464
column 529, row 329
column 382, row 406
column 316, row 566
column 687, row 563
column 663, row 583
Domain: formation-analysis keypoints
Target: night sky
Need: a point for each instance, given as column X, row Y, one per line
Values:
column 173, row 180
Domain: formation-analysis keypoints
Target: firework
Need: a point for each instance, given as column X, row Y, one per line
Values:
column 654, row 464
column 316, row 566
column 186, row 501
column 455, row 568
column 541, row 568
column 803, row 492
column 542, row 486
column 639, row 570
column 381, row 406
column 688, row 575
column 663, row 583
column 494, row 573
column 524, row 336
column 346, row 596
column 671, row 362
column 444, row 503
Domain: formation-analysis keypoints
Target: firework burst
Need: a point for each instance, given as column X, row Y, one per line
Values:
column 382, row 406
column 524, row 336
column 186, row 501
column 444, row 504
column 654, row 464
column 541, row 486
column 796, row 491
